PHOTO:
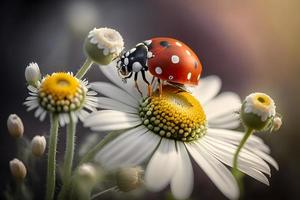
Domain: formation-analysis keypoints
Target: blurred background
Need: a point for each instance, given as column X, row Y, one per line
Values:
column 252, row 45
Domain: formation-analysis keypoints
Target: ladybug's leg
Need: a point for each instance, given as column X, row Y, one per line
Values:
column 136, row 84
column 160, row 87
column 149, row 85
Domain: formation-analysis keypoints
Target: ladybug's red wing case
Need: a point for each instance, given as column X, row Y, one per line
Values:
column 174, row 61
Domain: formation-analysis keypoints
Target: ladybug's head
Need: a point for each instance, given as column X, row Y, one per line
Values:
column 122, row 66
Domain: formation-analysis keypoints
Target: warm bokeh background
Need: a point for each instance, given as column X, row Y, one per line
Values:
column 253, row 45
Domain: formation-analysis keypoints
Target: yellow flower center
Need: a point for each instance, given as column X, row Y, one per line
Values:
column 262, row 101
column 175, row 115
column 61, row 92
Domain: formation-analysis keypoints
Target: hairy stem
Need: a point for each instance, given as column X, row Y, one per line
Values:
column 68, row 161
column 84, row 69
column 52, row 158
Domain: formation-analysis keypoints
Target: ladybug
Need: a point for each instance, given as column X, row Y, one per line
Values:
column 167, row 59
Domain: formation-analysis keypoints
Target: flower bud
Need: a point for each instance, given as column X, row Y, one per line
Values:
column 277, row 122
column 103, row 45
column 32, row 74
column 258, row 111
column 38, row 145
column 129, row 178
column 87, row 171
column 17, row 169
column 15, row 126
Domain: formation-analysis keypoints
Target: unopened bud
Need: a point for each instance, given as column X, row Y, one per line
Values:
column 17, row 169
column 38, row 145
column 103, row 45
column 15, row 126
column 129, row 178
column 257, row 111
column 32, row 74
column 277, row 122
column 87, row 170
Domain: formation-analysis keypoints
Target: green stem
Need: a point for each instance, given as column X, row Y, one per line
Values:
column 236, row 173
column 68, row 161
column 52, row 157
column 92, row 152
column 85, row 67
column 242, row 143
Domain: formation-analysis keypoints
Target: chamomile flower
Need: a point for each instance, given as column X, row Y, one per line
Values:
column 171, row 130
column 63, row 94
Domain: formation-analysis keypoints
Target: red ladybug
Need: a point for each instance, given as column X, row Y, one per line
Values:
column 166, row 59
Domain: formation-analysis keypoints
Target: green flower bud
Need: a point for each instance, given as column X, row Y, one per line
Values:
column 17, row 169
column 258, row 111
column 103, row 45
column 129, row 178
column 15, row 126
column 38, row 145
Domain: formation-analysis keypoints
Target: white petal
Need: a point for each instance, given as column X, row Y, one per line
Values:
column 113, row 127
column 183, row 179
column 135, row 152
column 208, row 88
column 162, row 165
column 225, row 125
column 234, row 137
column 38, row 112
column 109, row 117
column 265, row 157
column 243, row 165
column 227, row 103
column 113, row 147
column 107, row 103
column 249, row 158
column 215, row 170
column 122, row 151
column 115, row 93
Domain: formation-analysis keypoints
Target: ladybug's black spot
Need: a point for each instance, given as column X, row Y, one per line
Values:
column 195, row 64
column 165, row 44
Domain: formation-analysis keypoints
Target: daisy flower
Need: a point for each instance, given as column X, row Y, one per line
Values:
column 63, row 94
column 171, row 130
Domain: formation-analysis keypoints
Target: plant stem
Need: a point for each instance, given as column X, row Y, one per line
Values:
column 69, row 155
column 95, row 196
column 52, row 157
column 92, row 152
column 85, row 67
column 236, row 173
column 242, row 143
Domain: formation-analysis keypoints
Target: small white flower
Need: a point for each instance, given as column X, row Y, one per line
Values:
column 38, row 145
column 15, row 126
column 17, row 169
column 32, row 73
column 173, row 129
column 63, row 94
column 107, row 39
column 260, row 104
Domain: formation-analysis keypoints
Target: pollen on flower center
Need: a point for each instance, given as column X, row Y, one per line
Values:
column 61, row 92
column 175, row 115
